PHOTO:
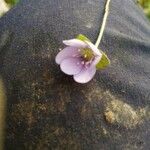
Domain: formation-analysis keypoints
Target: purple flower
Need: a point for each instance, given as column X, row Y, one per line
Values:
column 79, row 59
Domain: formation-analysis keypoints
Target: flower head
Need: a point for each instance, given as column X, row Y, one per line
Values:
column 79, row 59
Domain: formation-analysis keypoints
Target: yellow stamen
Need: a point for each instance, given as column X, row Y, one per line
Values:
column 87, row 54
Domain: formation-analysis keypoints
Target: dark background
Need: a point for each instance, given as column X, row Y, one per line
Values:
column 47, row 109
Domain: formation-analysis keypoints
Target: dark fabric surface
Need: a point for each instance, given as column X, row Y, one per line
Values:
column 47, row 109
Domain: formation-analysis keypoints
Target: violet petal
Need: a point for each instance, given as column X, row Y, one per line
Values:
column 96, row 60
column 65, row 53
column 71, row 66
column 75, row 43
column 94, row 48
column 85, row 75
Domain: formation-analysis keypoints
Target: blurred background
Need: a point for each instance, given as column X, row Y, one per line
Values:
column 5, row 5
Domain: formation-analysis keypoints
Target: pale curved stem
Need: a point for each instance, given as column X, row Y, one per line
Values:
column 103, row 23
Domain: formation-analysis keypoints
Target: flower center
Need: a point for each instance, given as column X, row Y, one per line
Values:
column 87, row 54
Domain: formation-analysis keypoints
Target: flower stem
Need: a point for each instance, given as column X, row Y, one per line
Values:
column 103, row 23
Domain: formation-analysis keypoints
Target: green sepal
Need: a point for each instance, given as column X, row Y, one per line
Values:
column 82, row 37
column 104, row 62
column 12, row 2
